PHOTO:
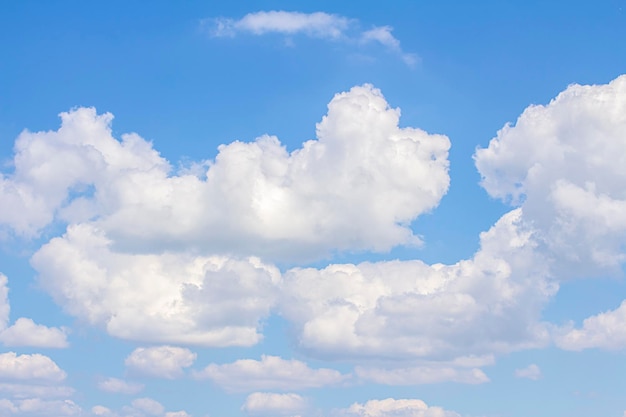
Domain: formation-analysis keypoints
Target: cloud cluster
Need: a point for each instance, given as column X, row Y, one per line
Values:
column 318, row 25
column 564, row 164
column 411, row 310
column 138, row 230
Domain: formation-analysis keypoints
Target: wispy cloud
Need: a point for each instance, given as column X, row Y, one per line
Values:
column 317, row 25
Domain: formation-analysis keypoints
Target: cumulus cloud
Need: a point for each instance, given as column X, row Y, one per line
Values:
column 148, row 406
column 161, row 361
column 164, row 298
column 315, row 25
column 139, row 407
column 136, row 229
column 267, row 403
column 25, row 332
column 119, row 386
column 357, row 187
column 270, row 373
column 391, row 407
column 532, row 371
column 564, row 164
column 35, row 367
column 411, row 310
column 605, row 331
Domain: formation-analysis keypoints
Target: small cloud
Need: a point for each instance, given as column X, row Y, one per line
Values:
column 530, row 372
column 119, row 386
column 317, row 25
column 161, row 361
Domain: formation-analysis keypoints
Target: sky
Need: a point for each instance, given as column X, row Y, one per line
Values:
column 313, row 209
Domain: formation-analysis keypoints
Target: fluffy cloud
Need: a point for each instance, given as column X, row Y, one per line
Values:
column 170, row 297
column 162, row 361
column 136, row 229
column 148, row 406
column 267, row 403
column 532, row 371
column 605, row 330
column 407, row 309
column 29, row 367
column 25, row 332
column 270, row 373
column 564, row 163
column 395, row 408
column 119, row 386
column 357, row 186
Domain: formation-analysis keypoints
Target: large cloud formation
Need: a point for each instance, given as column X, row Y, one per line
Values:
column 131, row 258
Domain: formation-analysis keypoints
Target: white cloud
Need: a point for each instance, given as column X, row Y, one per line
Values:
column 134, row 226
column 383, row 35
column 161, row 361
column 5, row 307
column 148, row 406
column 29, row 367
column 166, row 298
column 317, row 25
column 181, row 413
column 35, row 390
column 395, row 408
column 605, row 330
column 410, row 310
column 100, row 410
column 421, row 375
column 270, row 373
column 267, row 403
column 25, row 332
column 532, row 371
column 39, row 407
column 564, row 164
column 120, row 386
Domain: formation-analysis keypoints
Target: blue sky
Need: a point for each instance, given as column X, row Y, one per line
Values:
column 312, row 209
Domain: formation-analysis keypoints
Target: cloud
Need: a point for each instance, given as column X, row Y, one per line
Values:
column 162, row 361
column 270, row 373
column 315, row 25
column 148, row 406
column 421, row 375
column 267, row 403
column 120, row 386
column 35, row 390
column 357, row 187
column 383, row 36
column 564, row 164
column 605, row 331
column 39, row 407
column 24, row 332
column 139, row 230
column 34, row 367
column 409, row 310
column 532, row 371
column 391, row 407
column 165, row 298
